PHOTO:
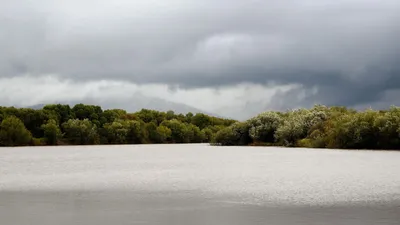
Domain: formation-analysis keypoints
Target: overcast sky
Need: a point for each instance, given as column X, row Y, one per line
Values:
column 231, row 57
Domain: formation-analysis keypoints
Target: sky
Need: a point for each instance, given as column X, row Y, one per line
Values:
column 228, row 57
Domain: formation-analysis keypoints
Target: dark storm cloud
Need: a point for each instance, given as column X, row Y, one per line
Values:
column 347, row 49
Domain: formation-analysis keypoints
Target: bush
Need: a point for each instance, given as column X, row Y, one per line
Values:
column 39, row 142
column 236, row 134
column 264, row 126
column 305, row 143
column 321, row 127
column 14, row 133
column 81, row 132
column 52, row 132
column 290, row 131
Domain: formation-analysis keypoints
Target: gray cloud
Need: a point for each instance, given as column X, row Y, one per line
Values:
column 339, row 52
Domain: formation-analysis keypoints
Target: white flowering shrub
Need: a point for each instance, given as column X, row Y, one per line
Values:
column 313, row 118
column 264, row 126
column 319, row 127
column 291, row 130
column 299, row 123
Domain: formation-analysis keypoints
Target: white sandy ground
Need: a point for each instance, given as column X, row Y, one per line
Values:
column 252, row 175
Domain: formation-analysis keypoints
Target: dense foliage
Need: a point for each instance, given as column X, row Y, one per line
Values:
column 89, row 124
column 319, row 127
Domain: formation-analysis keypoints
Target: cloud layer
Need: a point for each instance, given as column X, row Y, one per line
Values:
column 239, row 101
column 332, row 52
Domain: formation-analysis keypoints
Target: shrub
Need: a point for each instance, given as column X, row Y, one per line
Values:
column 264, row 126
column 14, row 133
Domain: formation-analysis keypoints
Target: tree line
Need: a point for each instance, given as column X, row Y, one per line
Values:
column 318, row 127
column 59, row 124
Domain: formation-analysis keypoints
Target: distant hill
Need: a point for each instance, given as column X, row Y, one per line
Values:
column 134, row 104
column 39, row 106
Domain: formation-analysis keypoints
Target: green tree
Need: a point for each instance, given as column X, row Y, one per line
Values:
column 81, row 132
column 14, row 133
column 117, row 132
column 91, row 112
column 52, row 132
column 189, row 117
column 170, row 115
column 164, row 133
column 195, row 135
column 63, row 113
column 387, row 125
column 236, row 134
column 179, row 133
column 153, row 135
column 110, row 115
column 32, row 119
column 208, row 134
column 137, row 133
column 201, row 120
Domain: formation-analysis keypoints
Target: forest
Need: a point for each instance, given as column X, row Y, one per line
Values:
column 319, row 127
column 82, row 124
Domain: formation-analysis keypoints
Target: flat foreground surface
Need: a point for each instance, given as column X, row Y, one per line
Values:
column 197, row 184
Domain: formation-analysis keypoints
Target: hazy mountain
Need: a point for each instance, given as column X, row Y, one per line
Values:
column 132, row 104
